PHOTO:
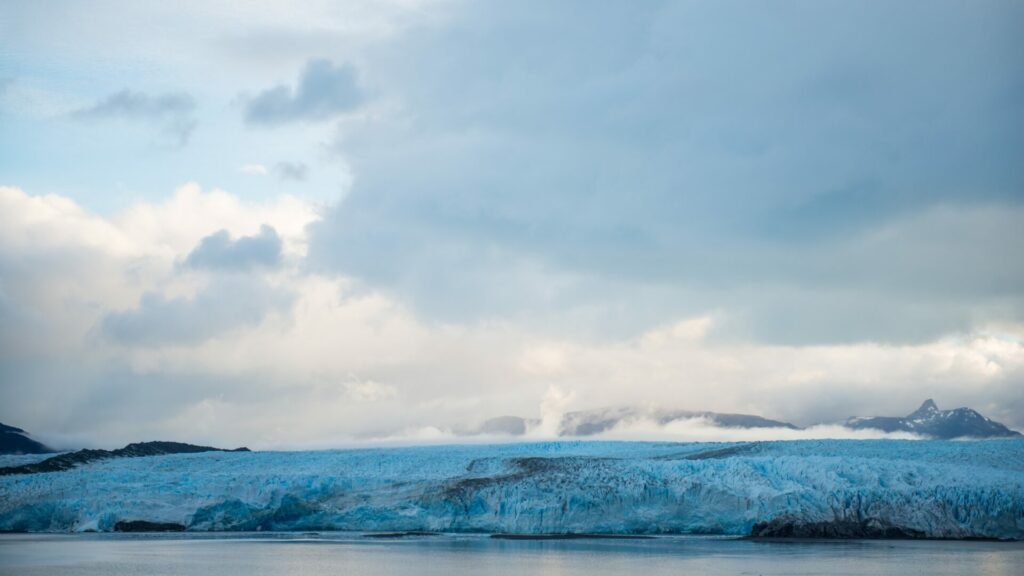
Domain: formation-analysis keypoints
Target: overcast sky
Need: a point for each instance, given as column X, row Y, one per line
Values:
column 245, row 223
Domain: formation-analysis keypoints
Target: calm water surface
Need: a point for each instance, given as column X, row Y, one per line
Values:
column 350, row 554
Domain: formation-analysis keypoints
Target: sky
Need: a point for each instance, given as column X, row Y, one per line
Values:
column 253, row 223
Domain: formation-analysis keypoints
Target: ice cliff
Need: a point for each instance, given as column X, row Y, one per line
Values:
column 916, row 488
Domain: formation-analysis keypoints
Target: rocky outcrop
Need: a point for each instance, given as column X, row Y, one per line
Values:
column 146, row 526
column 72, row 459
column 870, row 528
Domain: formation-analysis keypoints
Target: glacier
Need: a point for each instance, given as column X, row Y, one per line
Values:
column 937, row 489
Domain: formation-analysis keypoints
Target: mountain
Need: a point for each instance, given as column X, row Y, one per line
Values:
column 507, row 425
column 16, row 441
column 928, row 420
column 589, row 422
column 596, row 421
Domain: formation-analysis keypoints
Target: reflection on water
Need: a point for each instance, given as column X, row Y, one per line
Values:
column 333, row 553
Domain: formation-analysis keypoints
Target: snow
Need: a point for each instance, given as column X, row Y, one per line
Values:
column 944, row 489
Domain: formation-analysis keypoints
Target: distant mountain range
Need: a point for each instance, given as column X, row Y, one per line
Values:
column 590, row 422
column 17, row 441
column 926, row 421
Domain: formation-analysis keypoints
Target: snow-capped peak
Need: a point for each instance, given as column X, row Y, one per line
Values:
column 927, row 409
column 928, row 420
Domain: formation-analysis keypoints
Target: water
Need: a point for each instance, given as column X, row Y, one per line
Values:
column 352, row 554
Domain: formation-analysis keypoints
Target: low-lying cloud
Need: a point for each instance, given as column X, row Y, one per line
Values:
column 686, row 430
column 704, row 430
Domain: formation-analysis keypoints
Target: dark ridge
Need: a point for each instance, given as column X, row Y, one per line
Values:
column 405, row 534
column 6, row 428
column 147, row 526
column 14, row 440
column 729, row 420
column 571, row 536
column 868, row 529
column 73, row 459
column 590, row 422
column 720, row 453
column 463, row 489
column 713, row 454
column 522, row 468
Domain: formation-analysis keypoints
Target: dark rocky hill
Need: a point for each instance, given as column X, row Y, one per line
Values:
column 70, row 460
column 17, row 441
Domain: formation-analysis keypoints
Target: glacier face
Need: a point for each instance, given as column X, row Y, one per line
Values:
column 940, row 489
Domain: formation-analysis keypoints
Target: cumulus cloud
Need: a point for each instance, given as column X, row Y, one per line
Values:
column 62, row 267
column 172, row 112
column 175, row 226
column 219, row 251
column 323, row 90
column 55, row 222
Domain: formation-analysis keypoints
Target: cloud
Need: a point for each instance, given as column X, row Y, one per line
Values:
column 174, row 227
column 685, row 431
column 672, row 203
column 219, row 251
column 552, row 408
column 703, row 430
column 369, row 391
column 212, row 354
column 105, row 302
column 172, row 112
column 225, row 305
column 255, row 169
column 292, row 171
column 54, row 222
column 607, row 185
column 510, row 167
column 324, row 90
column 63, row 267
